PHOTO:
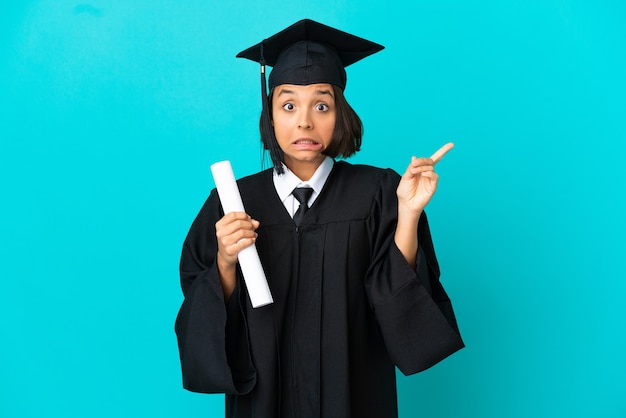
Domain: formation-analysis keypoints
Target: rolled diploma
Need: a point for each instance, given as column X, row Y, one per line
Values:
column 253, row 273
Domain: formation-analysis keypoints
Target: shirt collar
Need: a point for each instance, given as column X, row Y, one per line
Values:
column 285, row 183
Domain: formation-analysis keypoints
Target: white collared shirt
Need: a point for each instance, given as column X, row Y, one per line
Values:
column 285, row 183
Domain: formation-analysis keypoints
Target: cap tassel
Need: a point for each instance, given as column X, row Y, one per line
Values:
column 271, row 144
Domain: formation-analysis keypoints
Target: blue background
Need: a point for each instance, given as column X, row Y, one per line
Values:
column 112, row 111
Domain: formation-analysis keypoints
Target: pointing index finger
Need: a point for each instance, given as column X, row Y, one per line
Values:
column 441, row 152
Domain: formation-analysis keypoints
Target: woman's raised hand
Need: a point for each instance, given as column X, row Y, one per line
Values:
column 419, row 182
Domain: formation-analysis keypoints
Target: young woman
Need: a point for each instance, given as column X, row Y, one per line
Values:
column 346, row 249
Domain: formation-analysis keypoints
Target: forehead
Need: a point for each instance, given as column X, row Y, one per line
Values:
column 303, row 90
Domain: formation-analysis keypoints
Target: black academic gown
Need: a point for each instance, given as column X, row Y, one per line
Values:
column 347, row 306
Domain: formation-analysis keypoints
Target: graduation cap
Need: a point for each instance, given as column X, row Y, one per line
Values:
column 306, row 52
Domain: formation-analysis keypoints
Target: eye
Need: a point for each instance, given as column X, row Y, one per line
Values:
column 322, row 107
column 288, row 107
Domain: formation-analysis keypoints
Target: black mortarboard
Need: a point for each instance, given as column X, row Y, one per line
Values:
column 306, row 52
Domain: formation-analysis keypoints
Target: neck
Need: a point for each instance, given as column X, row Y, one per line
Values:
column 304, row 170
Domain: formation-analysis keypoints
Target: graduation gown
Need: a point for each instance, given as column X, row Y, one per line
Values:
column 347, row 307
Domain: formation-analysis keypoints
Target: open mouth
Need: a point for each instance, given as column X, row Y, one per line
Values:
column 305, row 141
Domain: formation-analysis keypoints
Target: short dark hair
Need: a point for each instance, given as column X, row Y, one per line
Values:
column 348, row 131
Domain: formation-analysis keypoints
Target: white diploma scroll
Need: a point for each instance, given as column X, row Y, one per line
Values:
column 249, row 261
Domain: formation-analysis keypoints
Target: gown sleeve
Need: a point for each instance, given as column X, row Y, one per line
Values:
column 411, row 307
column 212, row 334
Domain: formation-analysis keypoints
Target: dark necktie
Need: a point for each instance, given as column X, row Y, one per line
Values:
column 302, row 195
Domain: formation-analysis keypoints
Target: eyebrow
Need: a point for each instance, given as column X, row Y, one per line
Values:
column 325, row 91
column 318, row 92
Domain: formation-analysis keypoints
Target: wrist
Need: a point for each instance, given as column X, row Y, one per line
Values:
column 408, row 215
column 228, row 275
column 406, row 233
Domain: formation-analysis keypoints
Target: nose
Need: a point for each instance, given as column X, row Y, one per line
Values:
column 305, row 121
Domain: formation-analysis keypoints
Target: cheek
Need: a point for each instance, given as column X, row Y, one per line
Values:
column 281, row 128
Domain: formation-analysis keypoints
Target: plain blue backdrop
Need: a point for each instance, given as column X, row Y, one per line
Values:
column 111, row 113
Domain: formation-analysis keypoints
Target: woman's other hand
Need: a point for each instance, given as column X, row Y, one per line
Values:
column 235, row 231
